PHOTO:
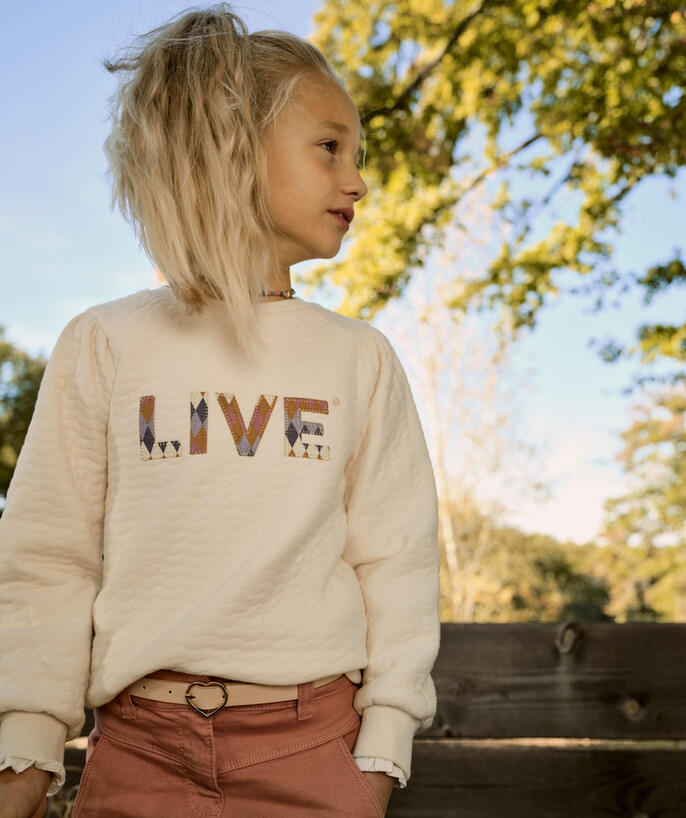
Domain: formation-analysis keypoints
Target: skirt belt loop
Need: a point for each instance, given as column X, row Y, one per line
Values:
column 128, row 708
column 305, row 695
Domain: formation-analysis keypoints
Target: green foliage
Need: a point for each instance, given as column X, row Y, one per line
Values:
column 525, row 577
column 20, row 377
column 600, row 85
column 581, row 597
column 536, row 578
column 653, row 512
column 645, row 583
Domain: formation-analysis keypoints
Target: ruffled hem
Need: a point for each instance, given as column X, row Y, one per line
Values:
column 20, row 764
column 381, row 765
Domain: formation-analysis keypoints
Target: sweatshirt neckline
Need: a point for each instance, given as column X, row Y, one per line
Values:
column 283, row 305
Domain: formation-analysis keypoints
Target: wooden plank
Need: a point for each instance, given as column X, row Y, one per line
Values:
column 490, row 779
column 450, row 780
column 596, row 680
column 599, row 680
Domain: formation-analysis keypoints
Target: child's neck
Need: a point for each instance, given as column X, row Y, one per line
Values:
column 280, row 284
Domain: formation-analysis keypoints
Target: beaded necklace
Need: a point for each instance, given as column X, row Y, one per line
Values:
column 278, row 293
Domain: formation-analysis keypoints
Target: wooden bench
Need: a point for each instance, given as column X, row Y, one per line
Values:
column 549, row 721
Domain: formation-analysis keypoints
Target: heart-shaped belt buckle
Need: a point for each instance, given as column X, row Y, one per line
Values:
column 206, row 713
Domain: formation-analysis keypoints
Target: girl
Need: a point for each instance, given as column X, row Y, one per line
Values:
column 221, row 533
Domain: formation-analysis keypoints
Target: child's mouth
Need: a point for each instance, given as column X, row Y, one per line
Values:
column 340, row 219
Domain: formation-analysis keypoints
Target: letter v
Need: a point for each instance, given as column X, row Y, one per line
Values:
column 246, row 440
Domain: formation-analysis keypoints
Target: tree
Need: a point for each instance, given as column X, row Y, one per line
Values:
column 645, row 583
column 653, row 511
column 20, row 377
column 578, row 595
column 458, row 366
column 534, row 578
column 576, row 104
column 644, row 531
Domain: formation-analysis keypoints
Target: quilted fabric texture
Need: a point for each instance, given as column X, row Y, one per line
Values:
column 175, row 506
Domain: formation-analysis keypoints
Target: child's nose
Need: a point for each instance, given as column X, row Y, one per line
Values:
column 355, row 185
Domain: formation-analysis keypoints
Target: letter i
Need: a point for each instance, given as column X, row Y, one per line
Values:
column 198, row 444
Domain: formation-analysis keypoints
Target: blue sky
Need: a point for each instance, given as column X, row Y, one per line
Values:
column 62, row 249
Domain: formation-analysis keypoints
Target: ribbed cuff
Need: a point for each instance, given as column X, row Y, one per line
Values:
column 34, row 737
column 387, row 732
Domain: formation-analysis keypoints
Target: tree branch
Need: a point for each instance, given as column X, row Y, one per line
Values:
column 501, row 163
column 617, row 198
column 541, row 205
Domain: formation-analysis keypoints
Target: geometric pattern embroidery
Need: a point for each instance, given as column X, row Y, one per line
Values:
column 296, row 427
column 150, row 449
column 246, row 440
column 198, row 444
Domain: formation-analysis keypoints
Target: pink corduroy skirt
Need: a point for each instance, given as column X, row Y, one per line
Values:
column 287, row 759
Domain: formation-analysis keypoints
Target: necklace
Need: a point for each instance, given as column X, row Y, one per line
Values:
column 278, row 293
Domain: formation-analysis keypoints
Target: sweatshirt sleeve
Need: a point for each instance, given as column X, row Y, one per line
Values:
column 50, row 552
column 392, row 546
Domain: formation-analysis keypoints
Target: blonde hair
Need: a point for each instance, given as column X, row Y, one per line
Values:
column 186, row 152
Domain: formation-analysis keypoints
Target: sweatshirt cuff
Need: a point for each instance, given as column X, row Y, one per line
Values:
column 36, row 738
column 387, row 732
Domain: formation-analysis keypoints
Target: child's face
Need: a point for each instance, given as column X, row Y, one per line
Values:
column 313, row 152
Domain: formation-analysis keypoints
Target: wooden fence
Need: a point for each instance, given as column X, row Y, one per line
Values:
column 550, row 721
column 554, row 721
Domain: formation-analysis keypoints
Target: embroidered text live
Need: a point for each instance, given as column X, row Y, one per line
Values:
column 247, row 439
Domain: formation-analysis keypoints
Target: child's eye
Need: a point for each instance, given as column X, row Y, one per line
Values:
column 331, row 145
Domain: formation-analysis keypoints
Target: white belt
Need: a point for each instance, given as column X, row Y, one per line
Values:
column 209, row 697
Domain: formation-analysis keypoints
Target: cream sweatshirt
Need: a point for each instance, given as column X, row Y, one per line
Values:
column 177, row 506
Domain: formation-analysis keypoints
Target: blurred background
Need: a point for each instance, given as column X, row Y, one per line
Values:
column 521, row 245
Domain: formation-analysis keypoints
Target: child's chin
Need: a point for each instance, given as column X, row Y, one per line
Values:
column 323, row 251
column 333, row 251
